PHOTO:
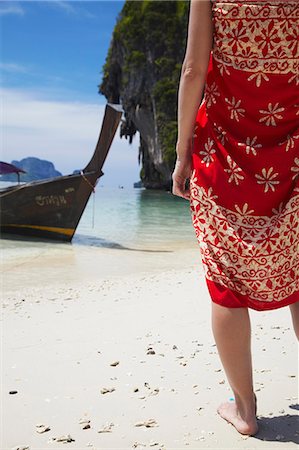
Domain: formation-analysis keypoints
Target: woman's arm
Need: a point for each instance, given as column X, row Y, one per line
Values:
column 194, row 71
column 192, row 82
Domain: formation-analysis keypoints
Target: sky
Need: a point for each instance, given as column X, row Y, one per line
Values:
column 52, row 54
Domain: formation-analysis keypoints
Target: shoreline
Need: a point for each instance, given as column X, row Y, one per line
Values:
column 70, row 263
column 66, row 324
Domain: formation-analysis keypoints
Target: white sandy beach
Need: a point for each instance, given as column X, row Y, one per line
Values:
column 79, row 320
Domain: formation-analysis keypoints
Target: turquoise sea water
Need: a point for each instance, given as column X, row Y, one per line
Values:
column 135, row 217
column 123, row 218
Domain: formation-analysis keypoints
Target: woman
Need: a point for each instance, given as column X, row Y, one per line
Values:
column 240, row 150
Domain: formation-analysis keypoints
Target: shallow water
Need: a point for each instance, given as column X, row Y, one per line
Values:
column 122, row 219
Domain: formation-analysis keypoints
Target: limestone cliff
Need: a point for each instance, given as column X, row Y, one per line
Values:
column 142, row 71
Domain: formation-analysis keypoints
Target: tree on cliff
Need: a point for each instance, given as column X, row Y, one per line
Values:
column 142, row 72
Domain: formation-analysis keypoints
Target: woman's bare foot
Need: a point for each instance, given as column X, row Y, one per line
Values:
column 246, row 424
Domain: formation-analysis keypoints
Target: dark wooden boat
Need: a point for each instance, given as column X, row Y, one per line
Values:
column 52, row 208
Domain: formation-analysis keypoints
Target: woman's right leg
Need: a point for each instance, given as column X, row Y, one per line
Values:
column 232, row 333
column 295, row 317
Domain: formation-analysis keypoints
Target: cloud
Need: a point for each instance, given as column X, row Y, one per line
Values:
column 72, row 9
column 15, row 68
column 63, row 132
column 65, row 6
column 11, row 8
column 31, row 72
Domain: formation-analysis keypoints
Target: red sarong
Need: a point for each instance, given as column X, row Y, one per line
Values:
column 245, row 179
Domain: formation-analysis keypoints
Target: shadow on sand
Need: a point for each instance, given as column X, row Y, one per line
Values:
column 92, row 241
column 284, row 428
column 81, row 240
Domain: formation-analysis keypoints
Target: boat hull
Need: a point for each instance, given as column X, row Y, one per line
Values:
column 48, row 209
column 52, row 208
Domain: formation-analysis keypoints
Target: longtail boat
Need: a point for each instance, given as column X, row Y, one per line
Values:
column 52, row 208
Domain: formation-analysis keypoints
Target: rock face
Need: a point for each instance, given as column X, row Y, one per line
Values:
column 142, row 72
column 36, row 169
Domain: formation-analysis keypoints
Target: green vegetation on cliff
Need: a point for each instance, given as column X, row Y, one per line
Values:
column 143, row 67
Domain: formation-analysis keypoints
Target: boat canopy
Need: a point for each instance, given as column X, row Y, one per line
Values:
column 9, row 168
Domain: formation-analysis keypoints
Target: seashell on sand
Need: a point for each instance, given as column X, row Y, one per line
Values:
column 64, row 438
column 41, row 428
column 106, row 390
column 147, row 423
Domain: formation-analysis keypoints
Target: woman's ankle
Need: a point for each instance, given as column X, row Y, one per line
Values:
column 246, row 405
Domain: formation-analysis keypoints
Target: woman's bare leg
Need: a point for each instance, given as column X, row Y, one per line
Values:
column 232, row 333
column 295, row 317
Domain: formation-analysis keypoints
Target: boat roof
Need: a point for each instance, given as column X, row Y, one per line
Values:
column 9, row 168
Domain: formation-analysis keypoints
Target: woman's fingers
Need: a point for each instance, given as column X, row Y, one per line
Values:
column 181, row 174
column 182, row 193
column 179, row 187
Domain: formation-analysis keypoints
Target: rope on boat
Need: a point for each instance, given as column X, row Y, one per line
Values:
column 87, row 181
column 93, row 190
column 93, row 209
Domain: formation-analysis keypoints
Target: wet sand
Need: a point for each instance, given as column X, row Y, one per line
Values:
column 112, row 349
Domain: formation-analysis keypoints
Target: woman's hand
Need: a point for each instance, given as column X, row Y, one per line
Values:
column 182, row 172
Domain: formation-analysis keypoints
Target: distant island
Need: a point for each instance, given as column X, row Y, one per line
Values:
column 36, row 169
column 138, row 184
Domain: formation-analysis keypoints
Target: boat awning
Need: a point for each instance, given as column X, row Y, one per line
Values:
column 9, row 168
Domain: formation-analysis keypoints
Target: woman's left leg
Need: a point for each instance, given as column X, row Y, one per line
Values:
column 294, row 308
